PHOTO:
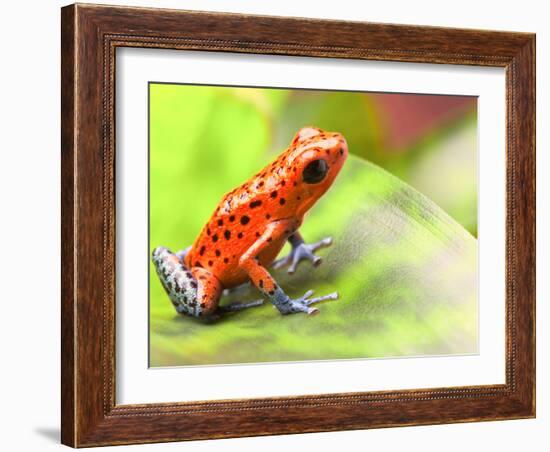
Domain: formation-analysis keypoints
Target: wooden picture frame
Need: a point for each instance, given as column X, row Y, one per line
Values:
column 90, row 35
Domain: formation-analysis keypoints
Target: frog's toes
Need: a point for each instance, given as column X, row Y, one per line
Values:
column 303, row 251
column 282, row 262
column 303, row 304
column 327, row 241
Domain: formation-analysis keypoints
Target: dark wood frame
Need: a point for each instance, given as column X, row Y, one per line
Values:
column 90, row 35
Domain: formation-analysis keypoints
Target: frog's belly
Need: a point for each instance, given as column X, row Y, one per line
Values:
column 232, row 275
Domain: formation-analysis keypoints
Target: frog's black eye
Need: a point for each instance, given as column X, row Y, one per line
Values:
column 315, row 171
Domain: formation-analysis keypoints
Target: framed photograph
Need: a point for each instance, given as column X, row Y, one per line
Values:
column 266, row 231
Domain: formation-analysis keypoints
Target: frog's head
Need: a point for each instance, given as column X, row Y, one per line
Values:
column 315, row 159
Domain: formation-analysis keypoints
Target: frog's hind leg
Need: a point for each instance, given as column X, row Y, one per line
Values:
column 195, row 292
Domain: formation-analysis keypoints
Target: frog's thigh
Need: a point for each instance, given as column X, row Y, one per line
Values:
column 209, row 290
column 194, row 292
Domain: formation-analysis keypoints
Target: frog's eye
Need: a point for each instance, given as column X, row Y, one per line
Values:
column 315, row 171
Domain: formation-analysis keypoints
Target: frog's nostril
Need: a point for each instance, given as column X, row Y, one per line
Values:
column 343, row 148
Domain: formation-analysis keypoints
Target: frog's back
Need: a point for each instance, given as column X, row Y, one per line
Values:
column 240, row 218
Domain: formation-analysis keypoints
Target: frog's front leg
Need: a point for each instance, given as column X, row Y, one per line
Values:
column 265, row 283
column 300, row 251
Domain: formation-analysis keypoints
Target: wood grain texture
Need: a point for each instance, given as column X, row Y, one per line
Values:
column 90, row 35
column 67, row 226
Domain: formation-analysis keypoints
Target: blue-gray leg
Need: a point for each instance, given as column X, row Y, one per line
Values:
column 287, row 305
column 301, row 251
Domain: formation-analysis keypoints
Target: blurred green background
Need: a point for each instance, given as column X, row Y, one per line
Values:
column 403, row 214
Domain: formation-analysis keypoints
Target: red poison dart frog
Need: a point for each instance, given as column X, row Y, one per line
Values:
column 249, row 228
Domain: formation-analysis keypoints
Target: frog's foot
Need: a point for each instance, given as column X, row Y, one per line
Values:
column 240, row 306
column 301, row 252
column 303, row 304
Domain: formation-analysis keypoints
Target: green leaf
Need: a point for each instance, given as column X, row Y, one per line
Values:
column 406, row 273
